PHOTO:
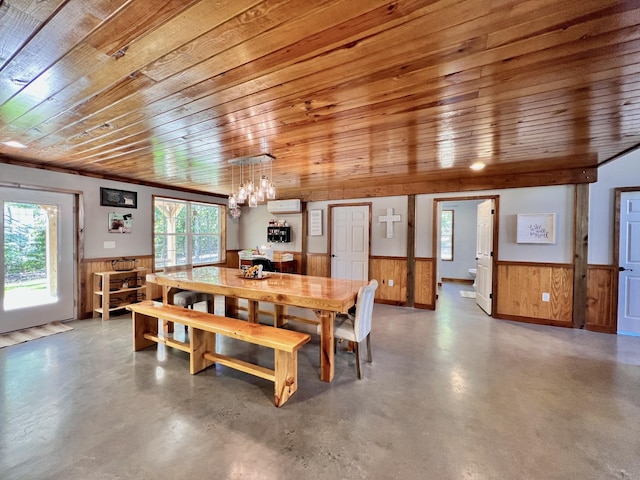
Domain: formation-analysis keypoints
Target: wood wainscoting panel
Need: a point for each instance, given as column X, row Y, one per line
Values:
column 602, row 312
column 318, row 264
column 384, row 269
column 520, row 288
column 424, row 283
column 232, row 259
column 89, row 266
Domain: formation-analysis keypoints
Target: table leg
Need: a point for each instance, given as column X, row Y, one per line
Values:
column 167, row 299
column 327, row 365
column 253, row 311
column 231, row 307
column 280, row 311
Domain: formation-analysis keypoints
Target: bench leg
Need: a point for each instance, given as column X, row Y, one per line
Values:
column 167, row 327
column 143, row 324
column 200, row 343
column 286, row 373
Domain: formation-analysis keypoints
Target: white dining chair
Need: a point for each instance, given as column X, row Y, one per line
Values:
column 357, row 327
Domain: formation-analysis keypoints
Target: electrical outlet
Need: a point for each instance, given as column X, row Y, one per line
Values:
column 391, row 283
column 545, row 297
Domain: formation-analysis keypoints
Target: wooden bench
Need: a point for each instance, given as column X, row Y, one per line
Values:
column 202, row 342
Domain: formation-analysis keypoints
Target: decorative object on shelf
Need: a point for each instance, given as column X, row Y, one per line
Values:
column 111, row 197
column 123, row 264
column 252, row 192
column 120, row 223
column 536, row 228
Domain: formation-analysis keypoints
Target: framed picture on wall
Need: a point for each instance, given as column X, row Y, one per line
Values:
column 110, row 197
column 315, row 222
column 120, row 222
column 536, row 228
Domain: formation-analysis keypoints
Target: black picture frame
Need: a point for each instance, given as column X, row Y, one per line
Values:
column 110, row 197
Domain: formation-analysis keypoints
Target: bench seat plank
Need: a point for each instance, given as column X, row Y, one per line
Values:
column 265, row 335
column 202, row 342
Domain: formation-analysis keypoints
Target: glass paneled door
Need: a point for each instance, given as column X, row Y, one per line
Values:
column 37, row 256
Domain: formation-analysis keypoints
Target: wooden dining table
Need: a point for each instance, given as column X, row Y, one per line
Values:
column 325, row 296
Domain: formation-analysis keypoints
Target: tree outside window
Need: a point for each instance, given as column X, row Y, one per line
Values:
column 446, row 235
column 187, row 233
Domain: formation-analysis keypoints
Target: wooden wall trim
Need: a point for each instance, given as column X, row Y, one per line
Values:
column 536, row 321
column 580, row 253
column 411, row 250
column 439, row 184
column 533, row 264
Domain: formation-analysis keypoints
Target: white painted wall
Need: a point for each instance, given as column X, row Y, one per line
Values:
column 380, row 244
column 139, row 241
column 255, row 222
column 622, row 172
column 553, row 199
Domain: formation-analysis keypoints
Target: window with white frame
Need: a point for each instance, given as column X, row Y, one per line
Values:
column 187, row 233
column 446, row 235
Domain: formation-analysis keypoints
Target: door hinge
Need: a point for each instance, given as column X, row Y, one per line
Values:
column 493, row 212
column 491, row 254
column 491, row 295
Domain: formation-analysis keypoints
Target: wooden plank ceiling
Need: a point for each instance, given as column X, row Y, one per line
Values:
column 353, row 98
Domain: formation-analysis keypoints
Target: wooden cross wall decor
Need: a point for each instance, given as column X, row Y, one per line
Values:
column 389, row 218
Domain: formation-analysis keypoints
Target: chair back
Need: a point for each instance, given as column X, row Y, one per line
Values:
column 364, row 310
column 267, row 265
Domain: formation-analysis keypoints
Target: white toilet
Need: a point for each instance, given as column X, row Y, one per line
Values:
column 472, row 272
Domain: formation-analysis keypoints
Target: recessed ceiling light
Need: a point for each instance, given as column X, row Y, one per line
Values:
column 14, row 144
column 477, row 166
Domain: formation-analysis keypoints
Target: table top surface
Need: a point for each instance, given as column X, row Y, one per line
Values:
column 280, row 288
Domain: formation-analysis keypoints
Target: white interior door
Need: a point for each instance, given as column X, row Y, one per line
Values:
column 350, row 242
column 629, row 263
column 484, row 255
column 37, row 258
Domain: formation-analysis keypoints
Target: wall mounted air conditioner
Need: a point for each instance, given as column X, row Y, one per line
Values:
column 284, row 206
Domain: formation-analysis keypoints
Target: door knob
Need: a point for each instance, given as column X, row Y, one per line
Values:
column 622, row 269
column 333, row 255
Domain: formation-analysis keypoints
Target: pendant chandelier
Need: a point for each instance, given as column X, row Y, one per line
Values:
column 250, row 190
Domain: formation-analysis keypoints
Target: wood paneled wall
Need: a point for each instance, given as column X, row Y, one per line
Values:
column 384, row 269
column 602, row 286
column 520, row 287
column 86, row 270
column 424, row 291
column 318, row 264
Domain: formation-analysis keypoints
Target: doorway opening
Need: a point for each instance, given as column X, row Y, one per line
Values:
column 37, row 257
column 465, row 234
column 627, row 255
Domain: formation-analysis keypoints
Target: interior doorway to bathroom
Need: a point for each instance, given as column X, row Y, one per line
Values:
column 465, row 247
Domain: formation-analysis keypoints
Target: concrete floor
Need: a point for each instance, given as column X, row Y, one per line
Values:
column 451, row 394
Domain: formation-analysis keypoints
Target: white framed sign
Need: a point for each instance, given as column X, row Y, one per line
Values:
column 315, row 223
column 536, row 228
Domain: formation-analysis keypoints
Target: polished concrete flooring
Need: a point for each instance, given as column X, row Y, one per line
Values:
column 451, row 394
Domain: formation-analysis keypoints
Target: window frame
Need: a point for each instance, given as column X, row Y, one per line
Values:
column 451, row 235
column 189, row 235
